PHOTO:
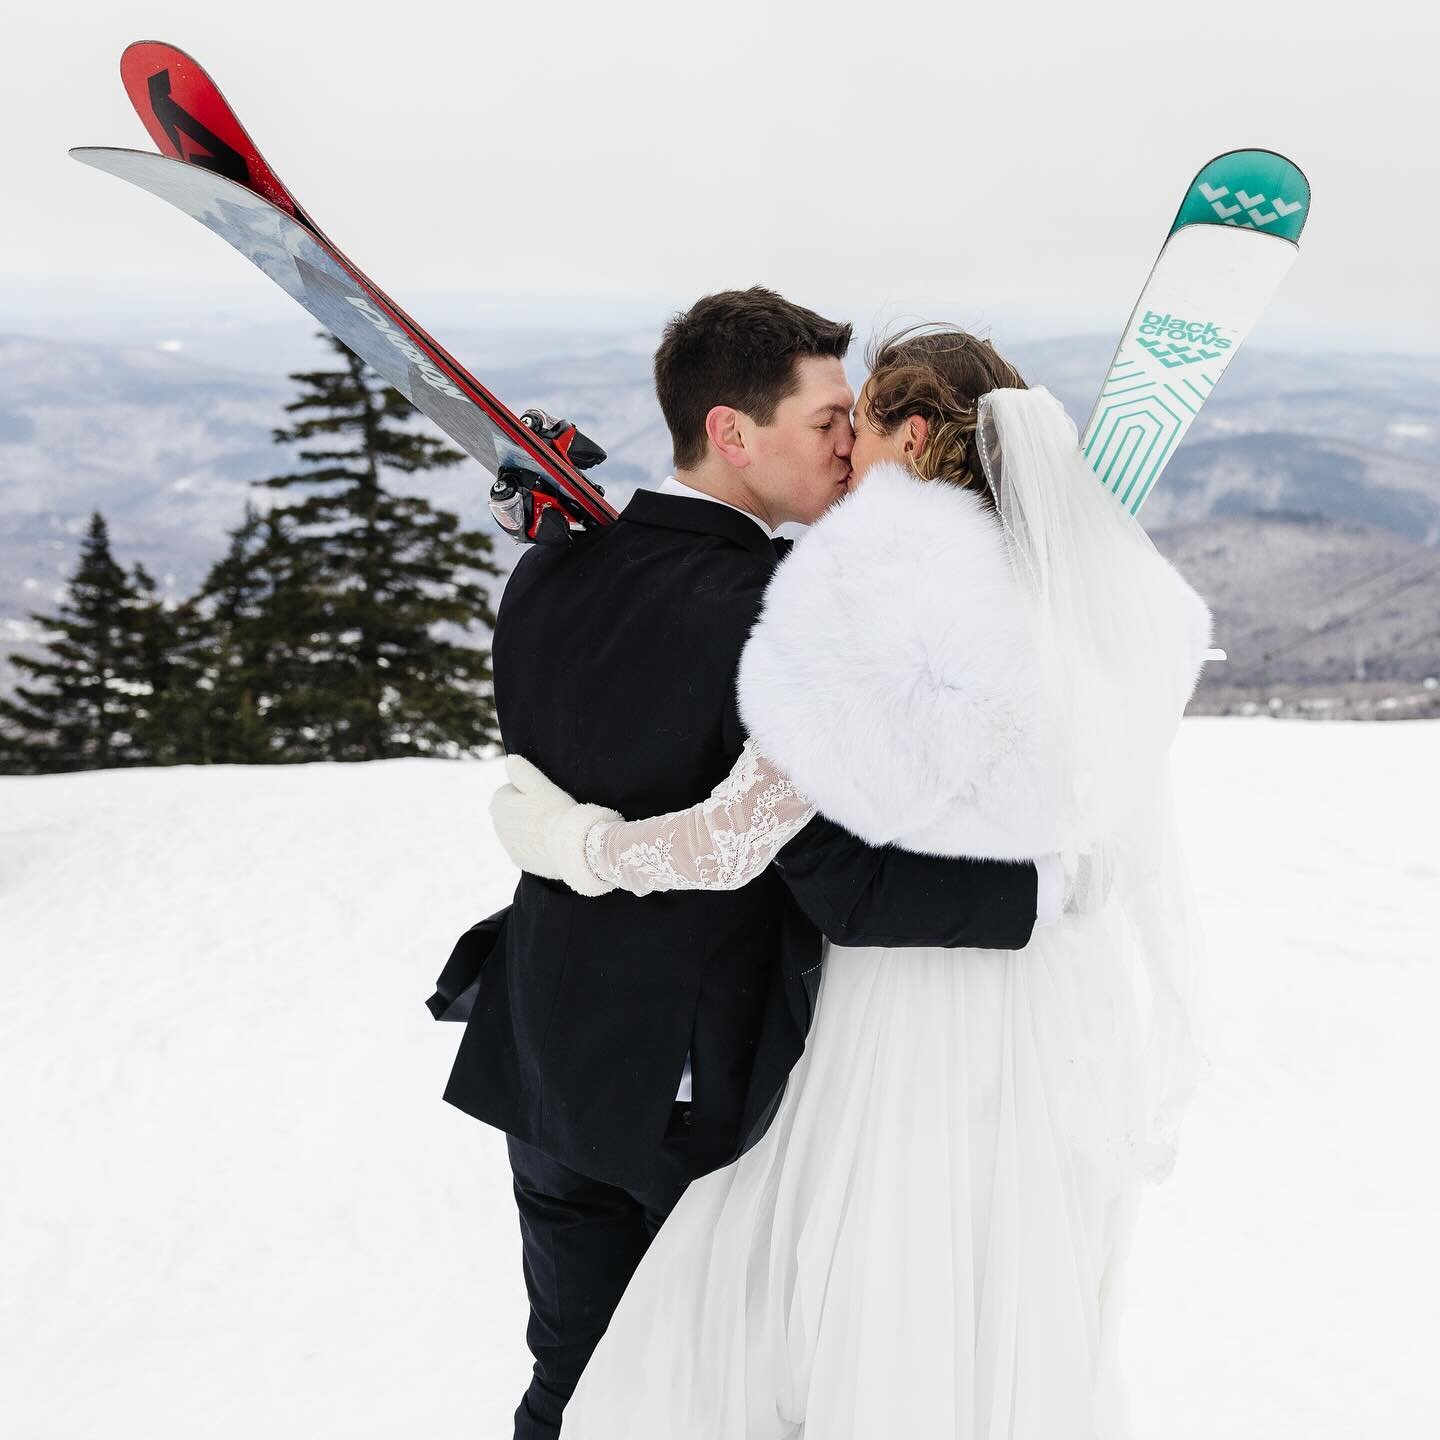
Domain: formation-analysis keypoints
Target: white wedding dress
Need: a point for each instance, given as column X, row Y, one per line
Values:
column 929, row 1240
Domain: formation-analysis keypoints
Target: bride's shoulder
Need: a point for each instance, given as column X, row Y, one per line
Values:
column 892, row 667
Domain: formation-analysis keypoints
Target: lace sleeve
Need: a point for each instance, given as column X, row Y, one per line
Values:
column 720, row 844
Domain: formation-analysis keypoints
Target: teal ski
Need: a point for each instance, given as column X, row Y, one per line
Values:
column 1233, row 241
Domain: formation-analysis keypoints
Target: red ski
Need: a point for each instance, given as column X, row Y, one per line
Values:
column 211, row 169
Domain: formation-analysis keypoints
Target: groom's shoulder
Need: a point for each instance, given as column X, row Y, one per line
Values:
column 699, row 577
column 695, row 570
column 692, row 523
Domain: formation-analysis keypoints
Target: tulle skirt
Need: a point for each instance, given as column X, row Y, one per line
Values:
column 929, row 1239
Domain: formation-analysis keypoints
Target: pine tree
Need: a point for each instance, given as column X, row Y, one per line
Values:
column 369, row 677
column 243, row 646
column 91, row 706
column 159, row 676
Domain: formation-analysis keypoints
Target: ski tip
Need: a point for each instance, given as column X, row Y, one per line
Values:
column 102, row 158
column 1281, row 162
column 141, row 58
column 135, row 52
column 112, row 159
column 150, row 47
column 1256, row 189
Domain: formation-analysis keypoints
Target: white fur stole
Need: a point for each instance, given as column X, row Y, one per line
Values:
column 893, row 676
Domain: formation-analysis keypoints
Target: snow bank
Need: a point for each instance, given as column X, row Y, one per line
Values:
column 234, row 1203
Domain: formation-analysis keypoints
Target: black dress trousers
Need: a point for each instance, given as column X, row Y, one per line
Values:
column 583, row 1240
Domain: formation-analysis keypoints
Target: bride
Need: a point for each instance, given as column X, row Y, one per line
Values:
column 979, row 653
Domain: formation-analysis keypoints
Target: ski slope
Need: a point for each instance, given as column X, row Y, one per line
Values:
column 233, row 1204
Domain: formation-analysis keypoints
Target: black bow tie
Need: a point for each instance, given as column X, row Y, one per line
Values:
column 782, row 547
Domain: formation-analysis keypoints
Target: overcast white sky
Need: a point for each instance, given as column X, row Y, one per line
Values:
column 980, row 163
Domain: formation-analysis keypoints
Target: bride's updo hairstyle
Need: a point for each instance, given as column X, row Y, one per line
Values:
column 938, row 372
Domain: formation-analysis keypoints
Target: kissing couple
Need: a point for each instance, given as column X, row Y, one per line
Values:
column 849, row 989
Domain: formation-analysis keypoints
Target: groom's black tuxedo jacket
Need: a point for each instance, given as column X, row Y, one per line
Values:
column 615, row 667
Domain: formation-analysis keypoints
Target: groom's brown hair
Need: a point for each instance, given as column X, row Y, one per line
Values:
column 735, row 348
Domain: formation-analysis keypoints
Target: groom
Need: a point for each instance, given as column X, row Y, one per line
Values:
column 624, row 1045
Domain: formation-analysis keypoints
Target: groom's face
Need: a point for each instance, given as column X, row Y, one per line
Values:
column 801, row 460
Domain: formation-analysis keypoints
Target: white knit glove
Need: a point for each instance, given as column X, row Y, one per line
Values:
column 543, row 829
column 1087, row 882
column 1069, row 883
column 1050, row 885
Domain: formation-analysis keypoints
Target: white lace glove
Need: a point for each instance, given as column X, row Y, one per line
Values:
column 543, row 829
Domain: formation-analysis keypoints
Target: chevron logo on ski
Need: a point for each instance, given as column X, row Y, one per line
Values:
column 1215, row 195
column 1240, row 183
column 1173, row 355
column 1210, row 284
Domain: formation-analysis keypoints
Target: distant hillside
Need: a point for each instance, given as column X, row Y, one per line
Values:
column 1303, row 601
column 1287, row 474
column 165, row 445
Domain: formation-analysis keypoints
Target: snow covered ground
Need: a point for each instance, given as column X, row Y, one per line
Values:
column 233, row 1204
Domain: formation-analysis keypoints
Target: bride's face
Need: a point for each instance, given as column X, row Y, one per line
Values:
column 871, row 445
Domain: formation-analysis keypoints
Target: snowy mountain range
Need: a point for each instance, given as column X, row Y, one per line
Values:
column 1302, row 475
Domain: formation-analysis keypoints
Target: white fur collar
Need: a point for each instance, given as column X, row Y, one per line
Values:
column 892, row 675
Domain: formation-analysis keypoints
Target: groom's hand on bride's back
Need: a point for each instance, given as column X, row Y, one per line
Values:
column 859, row 894
column 1088, row 881
column 1071, row 883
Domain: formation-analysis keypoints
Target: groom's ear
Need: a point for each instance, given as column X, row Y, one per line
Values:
column 725, row 429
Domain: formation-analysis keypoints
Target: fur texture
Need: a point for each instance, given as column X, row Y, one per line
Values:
column 892, row 675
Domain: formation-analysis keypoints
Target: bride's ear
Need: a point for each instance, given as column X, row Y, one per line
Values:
column 915, row 432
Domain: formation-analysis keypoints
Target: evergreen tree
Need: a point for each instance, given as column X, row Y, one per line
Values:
column 90, row 709
column 242, row 650
column 367, row 676
column 314, row 637
column 159, row 676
